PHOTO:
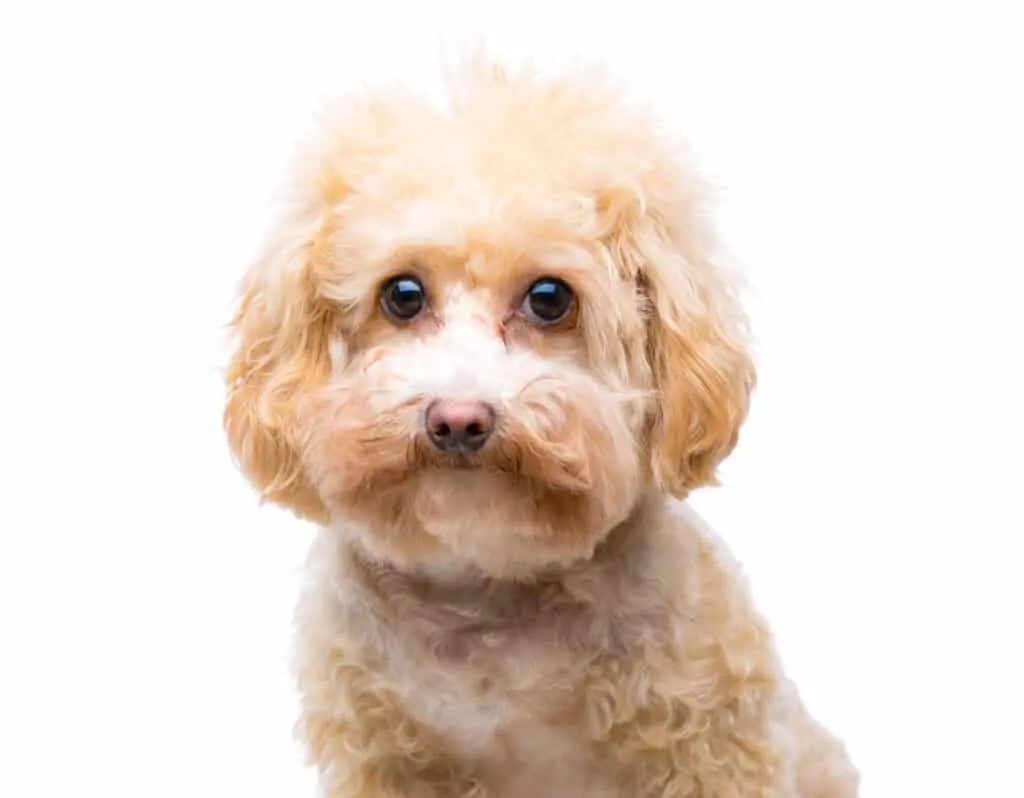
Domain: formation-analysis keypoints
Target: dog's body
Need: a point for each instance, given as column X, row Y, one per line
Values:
column 490, row 352
column 644, row 671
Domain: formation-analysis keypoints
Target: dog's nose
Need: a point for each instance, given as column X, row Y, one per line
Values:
column 459, row 427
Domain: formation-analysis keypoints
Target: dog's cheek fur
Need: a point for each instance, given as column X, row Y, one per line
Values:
column 358, row 451
column 575, row 435
column 352, row 444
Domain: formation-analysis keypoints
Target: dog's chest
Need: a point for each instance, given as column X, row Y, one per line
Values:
column 515, row 728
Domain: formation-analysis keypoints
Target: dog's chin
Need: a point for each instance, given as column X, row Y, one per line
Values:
column 462, row 516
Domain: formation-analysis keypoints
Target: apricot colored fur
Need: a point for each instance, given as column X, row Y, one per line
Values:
column 548, row 617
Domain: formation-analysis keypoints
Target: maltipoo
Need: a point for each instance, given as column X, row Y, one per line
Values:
column 490, row 351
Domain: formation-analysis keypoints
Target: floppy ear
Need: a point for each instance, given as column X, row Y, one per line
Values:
column 281, row 352
column 700, row 367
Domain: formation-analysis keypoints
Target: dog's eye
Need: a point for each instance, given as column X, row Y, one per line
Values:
column 403, row 298
column 548, row 301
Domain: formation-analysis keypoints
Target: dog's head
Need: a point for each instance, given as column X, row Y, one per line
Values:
column 478, row 336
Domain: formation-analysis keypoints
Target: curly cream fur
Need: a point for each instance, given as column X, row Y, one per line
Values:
column 546, row 618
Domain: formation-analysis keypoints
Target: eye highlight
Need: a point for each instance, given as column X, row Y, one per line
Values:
column 547, row 301
column 403, row 298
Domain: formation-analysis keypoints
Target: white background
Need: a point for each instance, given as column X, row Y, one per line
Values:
column 869, row 163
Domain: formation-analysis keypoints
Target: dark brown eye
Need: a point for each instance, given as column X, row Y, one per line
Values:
column 548, row 301
column 403, row 298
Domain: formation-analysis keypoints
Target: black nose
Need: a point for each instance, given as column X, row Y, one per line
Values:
column 459, row 427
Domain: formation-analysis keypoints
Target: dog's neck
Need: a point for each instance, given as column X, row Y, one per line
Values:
column 466, row 597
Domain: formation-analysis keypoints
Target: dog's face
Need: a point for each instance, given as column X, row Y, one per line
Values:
column 479, row 337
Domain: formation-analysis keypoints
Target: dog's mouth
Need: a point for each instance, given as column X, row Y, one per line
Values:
column 510, row 463
column 469, row 462
column 462, row 465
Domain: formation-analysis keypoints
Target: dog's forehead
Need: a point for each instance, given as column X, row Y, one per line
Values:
column 480, row 233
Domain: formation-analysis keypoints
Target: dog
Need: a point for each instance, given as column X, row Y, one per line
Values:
column 490, row 349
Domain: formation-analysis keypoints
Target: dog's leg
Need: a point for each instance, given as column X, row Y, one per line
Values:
column 712, row 734
column 704, row 709
column 668, row 745
column 823, row 768
column 365, row 746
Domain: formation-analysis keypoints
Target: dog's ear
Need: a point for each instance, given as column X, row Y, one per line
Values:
column 696, row 349
column 281, row 330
